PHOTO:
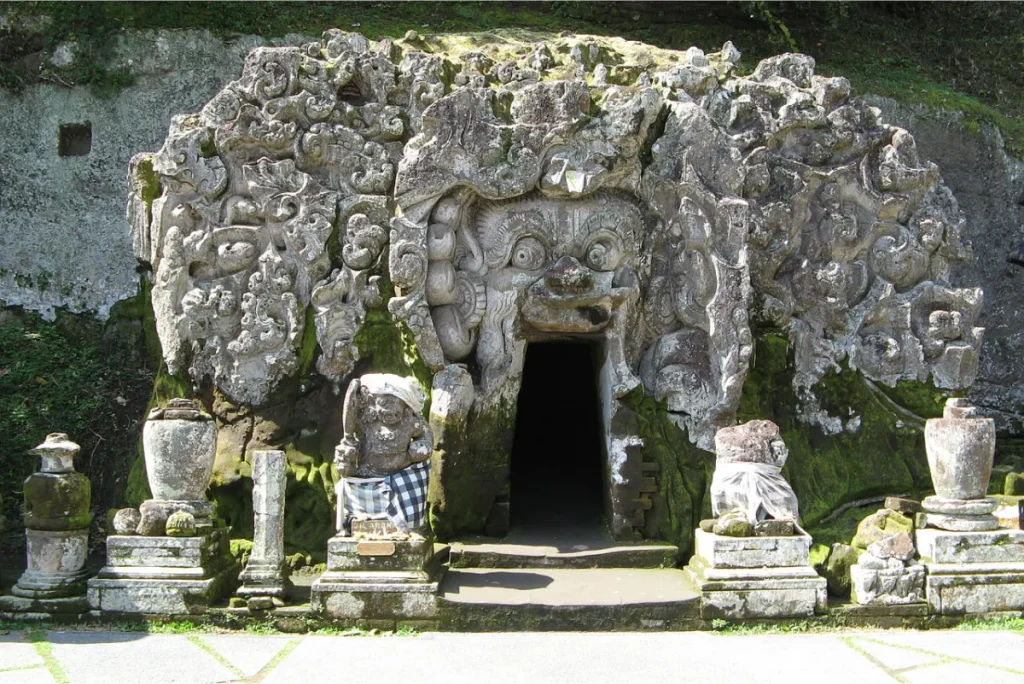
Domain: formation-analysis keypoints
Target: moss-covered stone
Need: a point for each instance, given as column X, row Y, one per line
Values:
column 836, row 569
column 879, row 450
column 684, row 473
column 879, row 525
column 471, row 472
column 57, row 501
column 1013, row 484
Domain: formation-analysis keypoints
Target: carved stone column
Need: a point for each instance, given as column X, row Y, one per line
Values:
column 264, row 579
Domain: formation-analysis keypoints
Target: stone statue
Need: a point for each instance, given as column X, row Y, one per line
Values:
column 748, row 488
column 383, row 458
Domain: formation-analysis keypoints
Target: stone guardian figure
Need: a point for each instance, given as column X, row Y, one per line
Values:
column 383, row 457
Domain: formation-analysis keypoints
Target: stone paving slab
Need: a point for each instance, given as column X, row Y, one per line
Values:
column 247, row 654
column 879, row 657
column 135, row 658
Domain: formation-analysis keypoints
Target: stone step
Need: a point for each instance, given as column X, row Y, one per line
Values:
column 559, row 599
column 570, row 551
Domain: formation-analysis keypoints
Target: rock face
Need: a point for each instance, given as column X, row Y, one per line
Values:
column 659, row 206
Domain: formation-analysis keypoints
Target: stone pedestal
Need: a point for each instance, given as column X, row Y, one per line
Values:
column 756, row 577
column 973, row 572
column 378, row 579
column 163, row 575
column 265, row 573
column 57, row 517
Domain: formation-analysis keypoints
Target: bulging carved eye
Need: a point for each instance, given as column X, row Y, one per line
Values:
column 528, row 254
column 603, row 255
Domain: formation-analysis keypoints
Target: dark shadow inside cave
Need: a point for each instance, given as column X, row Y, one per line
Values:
column 556, row 478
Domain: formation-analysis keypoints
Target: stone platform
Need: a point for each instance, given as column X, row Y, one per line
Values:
column 378, row 579
column 756, row 577
column 973, row 572
column 163, row 575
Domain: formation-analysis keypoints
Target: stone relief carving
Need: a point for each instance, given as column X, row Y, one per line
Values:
column 513, row 192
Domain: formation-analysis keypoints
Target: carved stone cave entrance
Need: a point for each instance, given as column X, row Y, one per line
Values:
column 557, row 451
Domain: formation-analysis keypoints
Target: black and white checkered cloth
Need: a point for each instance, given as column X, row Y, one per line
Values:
column 401, row 497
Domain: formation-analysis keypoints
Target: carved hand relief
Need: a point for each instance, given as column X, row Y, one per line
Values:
column 656, row 209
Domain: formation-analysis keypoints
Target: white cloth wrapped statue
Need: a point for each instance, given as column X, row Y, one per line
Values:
column 384, row 456
column 748, row 480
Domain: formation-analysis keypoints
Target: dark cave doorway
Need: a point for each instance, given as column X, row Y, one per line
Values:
column 557, row 450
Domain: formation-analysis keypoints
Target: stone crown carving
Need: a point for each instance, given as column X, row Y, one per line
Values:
column 583, row 186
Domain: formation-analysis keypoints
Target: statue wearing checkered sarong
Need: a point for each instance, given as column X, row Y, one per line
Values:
column 384, row 456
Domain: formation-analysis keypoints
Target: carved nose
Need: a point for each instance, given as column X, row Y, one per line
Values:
column 568, row 276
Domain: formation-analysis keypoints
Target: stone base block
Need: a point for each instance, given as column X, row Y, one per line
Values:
column 995, row 546
column 268, row 580
column 163, row 575
column 957, row 507
column 961, row 589
column 889, row 586
column 753, row 552
column 159, row 596
column 359, row 596
column 55, row 562
column 133, row 551
column 378, row 555
column 763, row 592
column 69, row 608
column 960, row 523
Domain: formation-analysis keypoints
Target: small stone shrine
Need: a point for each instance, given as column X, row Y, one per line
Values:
column 170, row 557
column 380, row 565
column 972, row 565
column 57, row 521
column 752, row 561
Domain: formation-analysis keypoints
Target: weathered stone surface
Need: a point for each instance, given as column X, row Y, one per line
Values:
column 898, row 546
column 755, row 577
column 163, row 575
column 265, row 571
column 880, row 525
column 753, row 552
column 775, row 528
column 179, row 451
column 1001, row 546
column 961, row 446
column 907, row 507
column 837, row 568
column 1013, row 485
column 895, row 584
column 126, row 521
column 730, row 525
column 518, row 203
column 56, row 561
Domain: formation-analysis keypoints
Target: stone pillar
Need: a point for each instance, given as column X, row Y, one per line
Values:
column 264, row 578
column 57, row 521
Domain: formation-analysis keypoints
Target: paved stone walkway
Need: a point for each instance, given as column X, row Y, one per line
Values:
column 562, row 658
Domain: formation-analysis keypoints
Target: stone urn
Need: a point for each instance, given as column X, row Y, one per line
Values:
column 180, row 442
column 960, row 448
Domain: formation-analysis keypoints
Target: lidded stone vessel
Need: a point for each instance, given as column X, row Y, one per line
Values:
column 961, row 448
column 180, row 442
column 57, row 518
